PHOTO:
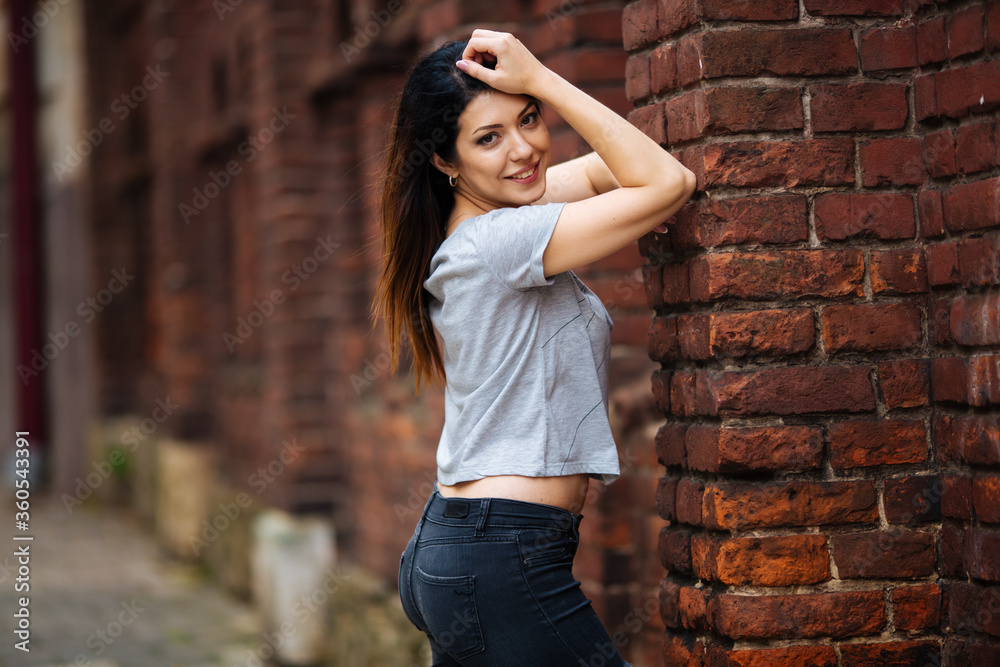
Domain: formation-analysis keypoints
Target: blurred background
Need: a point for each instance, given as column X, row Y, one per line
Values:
column 222, row 469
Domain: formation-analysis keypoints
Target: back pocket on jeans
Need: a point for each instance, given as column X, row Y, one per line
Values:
column 448, row 607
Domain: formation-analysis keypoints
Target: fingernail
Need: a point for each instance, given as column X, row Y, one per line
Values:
column 462, row 65
column 672, row 219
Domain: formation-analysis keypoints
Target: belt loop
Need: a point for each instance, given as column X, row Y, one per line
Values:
column 484, row 510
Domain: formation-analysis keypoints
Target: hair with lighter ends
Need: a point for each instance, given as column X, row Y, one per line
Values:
column 416, row 201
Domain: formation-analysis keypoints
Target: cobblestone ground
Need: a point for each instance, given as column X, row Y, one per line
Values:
column 103, row 596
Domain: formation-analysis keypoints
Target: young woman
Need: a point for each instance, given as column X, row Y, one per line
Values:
column 480, row 233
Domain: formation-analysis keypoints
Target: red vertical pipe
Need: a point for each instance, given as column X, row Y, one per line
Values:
column 29, row 293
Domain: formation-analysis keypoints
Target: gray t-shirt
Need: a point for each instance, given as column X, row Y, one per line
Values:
column 525, row 356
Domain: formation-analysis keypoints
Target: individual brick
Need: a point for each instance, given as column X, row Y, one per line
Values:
column 855, row 7
column 663, row 68
column 960, row 651
column 662, row 343
column 689, row 501
column 739, row 220
column 979, row 261
column 932, row 41
column 661, row 382
column 813, row 656
column 891, row 654
column 950, row 379
column 942, row 264
column 973, row 608
column 974, row 319
column 732, row 109
column 651, row 121
column 749, row 505
column 912, row 499
column 952, row 552
column 752, row 52
column 836, row 615
column 971, row 439
column 666, row 498
column 916, row 607
column 720, row 335
column 716, row 449
column 764, row 10
column 975, row 150
column 869, row 327
column 938, row 321
column 637, row 78
column 899, row 271
column 956, row 497
column 676, row 283
column 780, row 163
column 762, row 561
column 888, row 48
column 895, row 161
column 986, row 498
column 675, row 549
column 847, row 107
column 781, row 391
column 938, row 151
column 869, row 442
column 905, row 383
column 845, row 215
column 931, row 209
column 777, row 274
column 965, row 32
column 884, row 554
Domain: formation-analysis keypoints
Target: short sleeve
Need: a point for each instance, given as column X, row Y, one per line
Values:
column 512, row 243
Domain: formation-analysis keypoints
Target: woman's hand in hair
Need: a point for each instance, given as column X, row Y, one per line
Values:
column 516, row 70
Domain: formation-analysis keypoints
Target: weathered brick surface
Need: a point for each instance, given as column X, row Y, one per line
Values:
column 836, row 615
column 867, row 442
column 743, row 505
column 884, row 554
column 766, row 561
column 835, row 276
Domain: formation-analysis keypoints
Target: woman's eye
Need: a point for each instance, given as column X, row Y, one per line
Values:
column 486, row 139
column 529, row 119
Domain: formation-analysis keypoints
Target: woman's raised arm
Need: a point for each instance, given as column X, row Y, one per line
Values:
column 654, row 185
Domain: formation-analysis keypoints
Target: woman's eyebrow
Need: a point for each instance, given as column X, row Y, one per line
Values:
column 498, row 125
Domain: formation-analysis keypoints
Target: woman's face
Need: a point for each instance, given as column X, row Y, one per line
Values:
column 502, row 151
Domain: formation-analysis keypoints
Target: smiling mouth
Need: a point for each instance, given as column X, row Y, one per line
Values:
column 527, row 173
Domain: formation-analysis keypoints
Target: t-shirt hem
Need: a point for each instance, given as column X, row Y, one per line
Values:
column 599, row 472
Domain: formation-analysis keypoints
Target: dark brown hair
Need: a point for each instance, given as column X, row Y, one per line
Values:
column 416, row 200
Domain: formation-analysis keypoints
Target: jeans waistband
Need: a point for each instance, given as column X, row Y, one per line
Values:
column 484, row 512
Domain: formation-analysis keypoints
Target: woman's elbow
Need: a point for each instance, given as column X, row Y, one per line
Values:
column 679, row 186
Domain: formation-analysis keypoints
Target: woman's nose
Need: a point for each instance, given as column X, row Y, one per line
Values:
column 519, row 147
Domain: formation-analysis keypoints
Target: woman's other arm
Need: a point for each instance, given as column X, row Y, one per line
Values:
column 578, row 179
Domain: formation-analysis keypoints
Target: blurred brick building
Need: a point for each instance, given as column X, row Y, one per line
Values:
column 825, row 326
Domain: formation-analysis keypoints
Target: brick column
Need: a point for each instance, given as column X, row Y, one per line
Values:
column 828, row 320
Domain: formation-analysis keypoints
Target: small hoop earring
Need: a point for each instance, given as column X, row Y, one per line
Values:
column 452, row 182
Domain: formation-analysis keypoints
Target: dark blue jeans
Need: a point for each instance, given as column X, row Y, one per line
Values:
column 490, row 581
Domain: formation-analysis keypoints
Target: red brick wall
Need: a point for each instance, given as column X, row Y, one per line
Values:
column 827, row 319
